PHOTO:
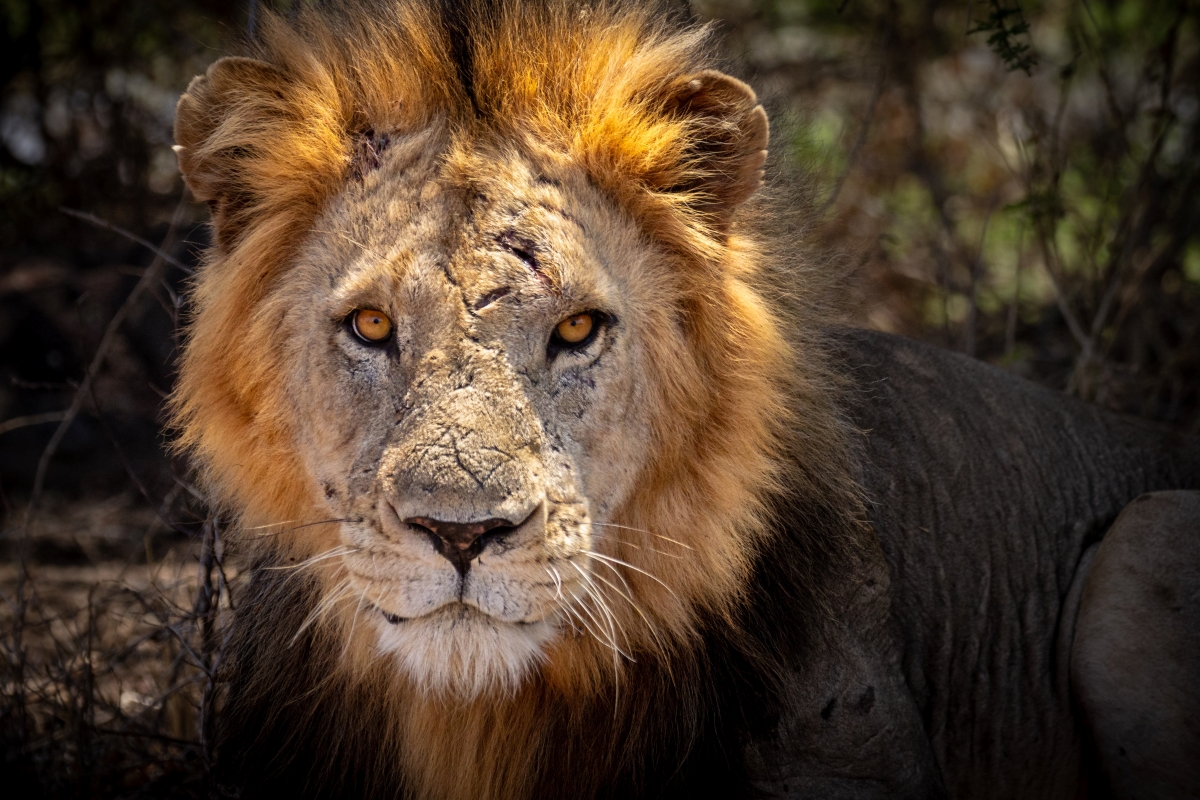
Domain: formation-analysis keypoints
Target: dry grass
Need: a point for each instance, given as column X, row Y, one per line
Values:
column 107, row 678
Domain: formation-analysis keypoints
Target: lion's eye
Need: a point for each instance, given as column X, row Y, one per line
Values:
column 373, row 327
column 575, row 330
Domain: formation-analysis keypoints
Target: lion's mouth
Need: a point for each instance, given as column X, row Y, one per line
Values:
column 396, row 619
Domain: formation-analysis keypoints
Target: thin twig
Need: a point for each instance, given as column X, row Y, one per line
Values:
column 133, row 237
column 151, row 275
column 33, row 419
column 863, row 130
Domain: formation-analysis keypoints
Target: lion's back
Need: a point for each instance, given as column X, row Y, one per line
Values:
column 985, row 491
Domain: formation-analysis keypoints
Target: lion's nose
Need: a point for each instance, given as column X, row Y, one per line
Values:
column 461, row 542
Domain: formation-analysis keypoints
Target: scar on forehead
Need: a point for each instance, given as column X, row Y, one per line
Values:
column 566, row 215
column 491, row 297
column 526, row 250
column 369, row 147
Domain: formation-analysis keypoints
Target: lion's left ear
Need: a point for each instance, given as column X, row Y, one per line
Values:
column 727, row 149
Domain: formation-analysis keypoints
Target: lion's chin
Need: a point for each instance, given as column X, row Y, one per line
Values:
column 460, row 651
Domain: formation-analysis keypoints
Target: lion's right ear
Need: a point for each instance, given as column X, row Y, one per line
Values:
column 247, row 145
column 216, row 122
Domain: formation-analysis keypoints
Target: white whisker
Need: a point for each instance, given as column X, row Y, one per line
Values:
column 611, row 623
column 553, row 572
column 627, row 565
column 643, row 530
column 323, row 607
column 319, row 557
column 625, row 542
column 627, row 595
column 572, row 606
column 294, row 528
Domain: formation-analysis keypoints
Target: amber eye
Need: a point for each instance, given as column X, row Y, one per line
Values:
column 373, row 327
column 576, row 329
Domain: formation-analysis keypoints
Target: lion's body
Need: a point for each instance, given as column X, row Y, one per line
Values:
column 702, row 547
column 986, row 492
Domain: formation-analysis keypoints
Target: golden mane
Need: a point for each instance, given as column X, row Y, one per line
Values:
column 268, row 142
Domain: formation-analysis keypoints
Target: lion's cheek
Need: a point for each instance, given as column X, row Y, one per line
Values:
column 604, row 434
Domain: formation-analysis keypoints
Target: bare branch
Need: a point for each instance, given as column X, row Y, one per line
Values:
column 863, row 130
column 133, row 237
column 151, row 275
column 33, row 419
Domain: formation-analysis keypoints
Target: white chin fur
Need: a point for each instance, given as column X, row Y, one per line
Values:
column 458, row 650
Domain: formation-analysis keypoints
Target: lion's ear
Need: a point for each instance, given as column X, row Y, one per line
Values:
column 727, row 150
column 223, row 130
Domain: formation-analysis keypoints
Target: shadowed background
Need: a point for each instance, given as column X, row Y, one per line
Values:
column 1019, row 181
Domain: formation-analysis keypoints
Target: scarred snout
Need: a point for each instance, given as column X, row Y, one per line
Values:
column 468, row 453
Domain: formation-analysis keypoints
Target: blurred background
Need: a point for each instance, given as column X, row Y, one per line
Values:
column 1012, row 179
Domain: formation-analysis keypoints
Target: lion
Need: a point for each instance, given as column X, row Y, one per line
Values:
column 551, row 480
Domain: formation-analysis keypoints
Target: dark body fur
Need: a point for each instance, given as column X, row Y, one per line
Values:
column 985, row 492
column 940, row 670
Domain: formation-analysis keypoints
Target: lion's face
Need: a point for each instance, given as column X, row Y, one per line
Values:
column 511, row 344
column 474, row 453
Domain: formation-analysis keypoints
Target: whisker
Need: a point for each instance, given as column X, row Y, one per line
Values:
column 296, row 527
column 308, row 562
column 628, row 590
column 574, row 606
column 554, row 576
column 561, row 613
column 322, row 608
column 270, row 525
column 629, row 599
column 611, row 623
column 599, row 626
column 574, row 614
column 560, row 601
column 625, row 542
column 627, row 595
column 613, row 626
column 626, row 564
column 643, row 530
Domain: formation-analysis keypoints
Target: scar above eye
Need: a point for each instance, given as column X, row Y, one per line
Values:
column 526, row 251
column 520, row 247
column 491, row 297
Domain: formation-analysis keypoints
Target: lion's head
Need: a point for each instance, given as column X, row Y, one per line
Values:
column 479, row 344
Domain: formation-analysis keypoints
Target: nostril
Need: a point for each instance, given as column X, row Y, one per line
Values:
column 461, row 542
column 438, row 543
column 496, row 534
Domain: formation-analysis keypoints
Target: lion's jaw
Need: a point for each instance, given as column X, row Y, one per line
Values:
column 469, row 413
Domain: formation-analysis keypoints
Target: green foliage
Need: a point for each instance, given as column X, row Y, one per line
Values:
column 1006, row 25
column 1047, row 219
